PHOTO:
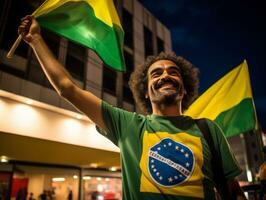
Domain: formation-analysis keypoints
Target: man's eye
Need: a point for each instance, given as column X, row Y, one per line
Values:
column 174, row 73
column 155, row 75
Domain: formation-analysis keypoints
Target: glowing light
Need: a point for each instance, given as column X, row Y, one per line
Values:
column 75, row 177
column 28, row 101
column 86, row 178
column 112, row 169
column 23, row 116
column 249, row 176
column 79, row 116
column 107, row 179
column 100, row 197
column 93, row 165
column 99, row 178
column 100, row 188
column 71, row 126
column 58, row 179
column 3, row 159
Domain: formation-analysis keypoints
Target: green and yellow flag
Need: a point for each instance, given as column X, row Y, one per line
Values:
column 228, row 102
column 91, row 23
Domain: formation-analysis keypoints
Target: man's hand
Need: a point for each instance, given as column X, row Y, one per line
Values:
column 29, row 29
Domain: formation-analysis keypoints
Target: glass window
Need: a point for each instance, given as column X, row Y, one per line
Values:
column 96, row 188
column 76, row 60
column 12, row 70
column 52, row 40
column 148, row 42
column 129, row 65
column 41, row 182
column 127, row 94
column 127, row 21
column 109, row 80
column 160, row 44
column 36, row 74
column 5, row 178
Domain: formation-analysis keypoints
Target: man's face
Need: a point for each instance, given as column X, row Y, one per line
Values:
column 165, row 84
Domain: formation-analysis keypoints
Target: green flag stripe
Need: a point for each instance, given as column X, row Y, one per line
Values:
column 77, row 22
column 230, row 122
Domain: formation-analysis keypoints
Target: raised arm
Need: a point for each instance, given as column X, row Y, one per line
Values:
column 61, row 80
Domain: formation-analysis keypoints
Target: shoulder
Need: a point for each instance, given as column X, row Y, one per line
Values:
column 212, row 124
column 120, row 112
column 214, row 128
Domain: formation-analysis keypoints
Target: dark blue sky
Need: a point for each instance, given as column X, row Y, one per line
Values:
column 216, row 36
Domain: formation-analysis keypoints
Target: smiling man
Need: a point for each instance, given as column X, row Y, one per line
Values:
column 163, row 153
column 165, row 88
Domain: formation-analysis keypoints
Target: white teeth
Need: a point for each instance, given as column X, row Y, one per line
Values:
column 167, row 86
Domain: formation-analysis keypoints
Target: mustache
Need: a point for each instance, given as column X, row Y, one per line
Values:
column 161, row 82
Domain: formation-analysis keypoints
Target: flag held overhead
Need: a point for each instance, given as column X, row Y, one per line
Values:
column 228, row 102
column 91, row 23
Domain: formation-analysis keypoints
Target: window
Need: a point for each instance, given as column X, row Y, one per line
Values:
column 148, row 42
column 129, row 65
column 59, row 182
column 109, row 80
column 52, row 40
column 5, row 182
column 127, row 21
column 160, row 45
column 102, row 187
column 35, row 72
column 11, row 70
column 75, row 60
column 127, row 94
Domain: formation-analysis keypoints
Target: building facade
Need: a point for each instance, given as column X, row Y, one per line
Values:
column 47, row 147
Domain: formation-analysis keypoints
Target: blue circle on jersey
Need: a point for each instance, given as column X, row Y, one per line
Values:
column 170, row 163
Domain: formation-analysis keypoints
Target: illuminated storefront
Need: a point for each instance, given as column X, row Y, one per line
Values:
column 44, row 151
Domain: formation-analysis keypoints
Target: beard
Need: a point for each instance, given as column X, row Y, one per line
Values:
column 167, row 97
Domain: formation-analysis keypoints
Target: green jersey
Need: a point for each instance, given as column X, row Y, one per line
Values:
column 165, row 157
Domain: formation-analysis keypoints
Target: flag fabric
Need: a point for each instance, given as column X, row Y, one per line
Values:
column 91, row 23
column 228, row 102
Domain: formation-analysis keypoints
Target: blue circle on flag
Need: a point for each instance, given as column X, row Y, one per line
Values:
column 170, row 163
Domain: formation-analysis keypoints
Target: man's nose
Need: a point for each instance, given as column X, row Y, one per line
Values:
column 165, row 74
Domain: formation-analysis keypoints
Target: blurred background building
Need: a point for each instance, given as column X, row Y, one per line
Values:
column 46, row 145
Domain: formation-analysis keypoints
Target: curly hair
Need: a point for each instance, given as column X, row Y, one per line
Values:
column 138, row 81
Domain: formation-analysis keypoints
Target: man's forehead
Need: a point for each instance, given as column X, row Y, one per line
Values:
column 163, row 64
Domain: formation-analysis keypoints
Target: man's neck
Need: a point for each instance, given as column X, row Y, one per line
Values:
column 162, row 110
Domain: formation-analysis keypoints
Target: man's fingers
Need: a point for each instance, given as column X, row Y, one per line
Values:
column 25, row 25
column 28, row 17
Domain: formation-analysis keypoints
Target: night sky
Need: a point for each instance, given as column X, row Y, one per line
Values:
column 216, row 36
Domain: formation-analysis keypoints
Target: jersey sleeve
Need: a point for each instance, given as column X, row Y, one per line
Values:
column 117, row 122
column 230, row 165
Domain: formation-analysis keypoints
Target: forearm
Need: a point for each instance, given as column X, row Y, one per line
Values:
column 53, row 69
